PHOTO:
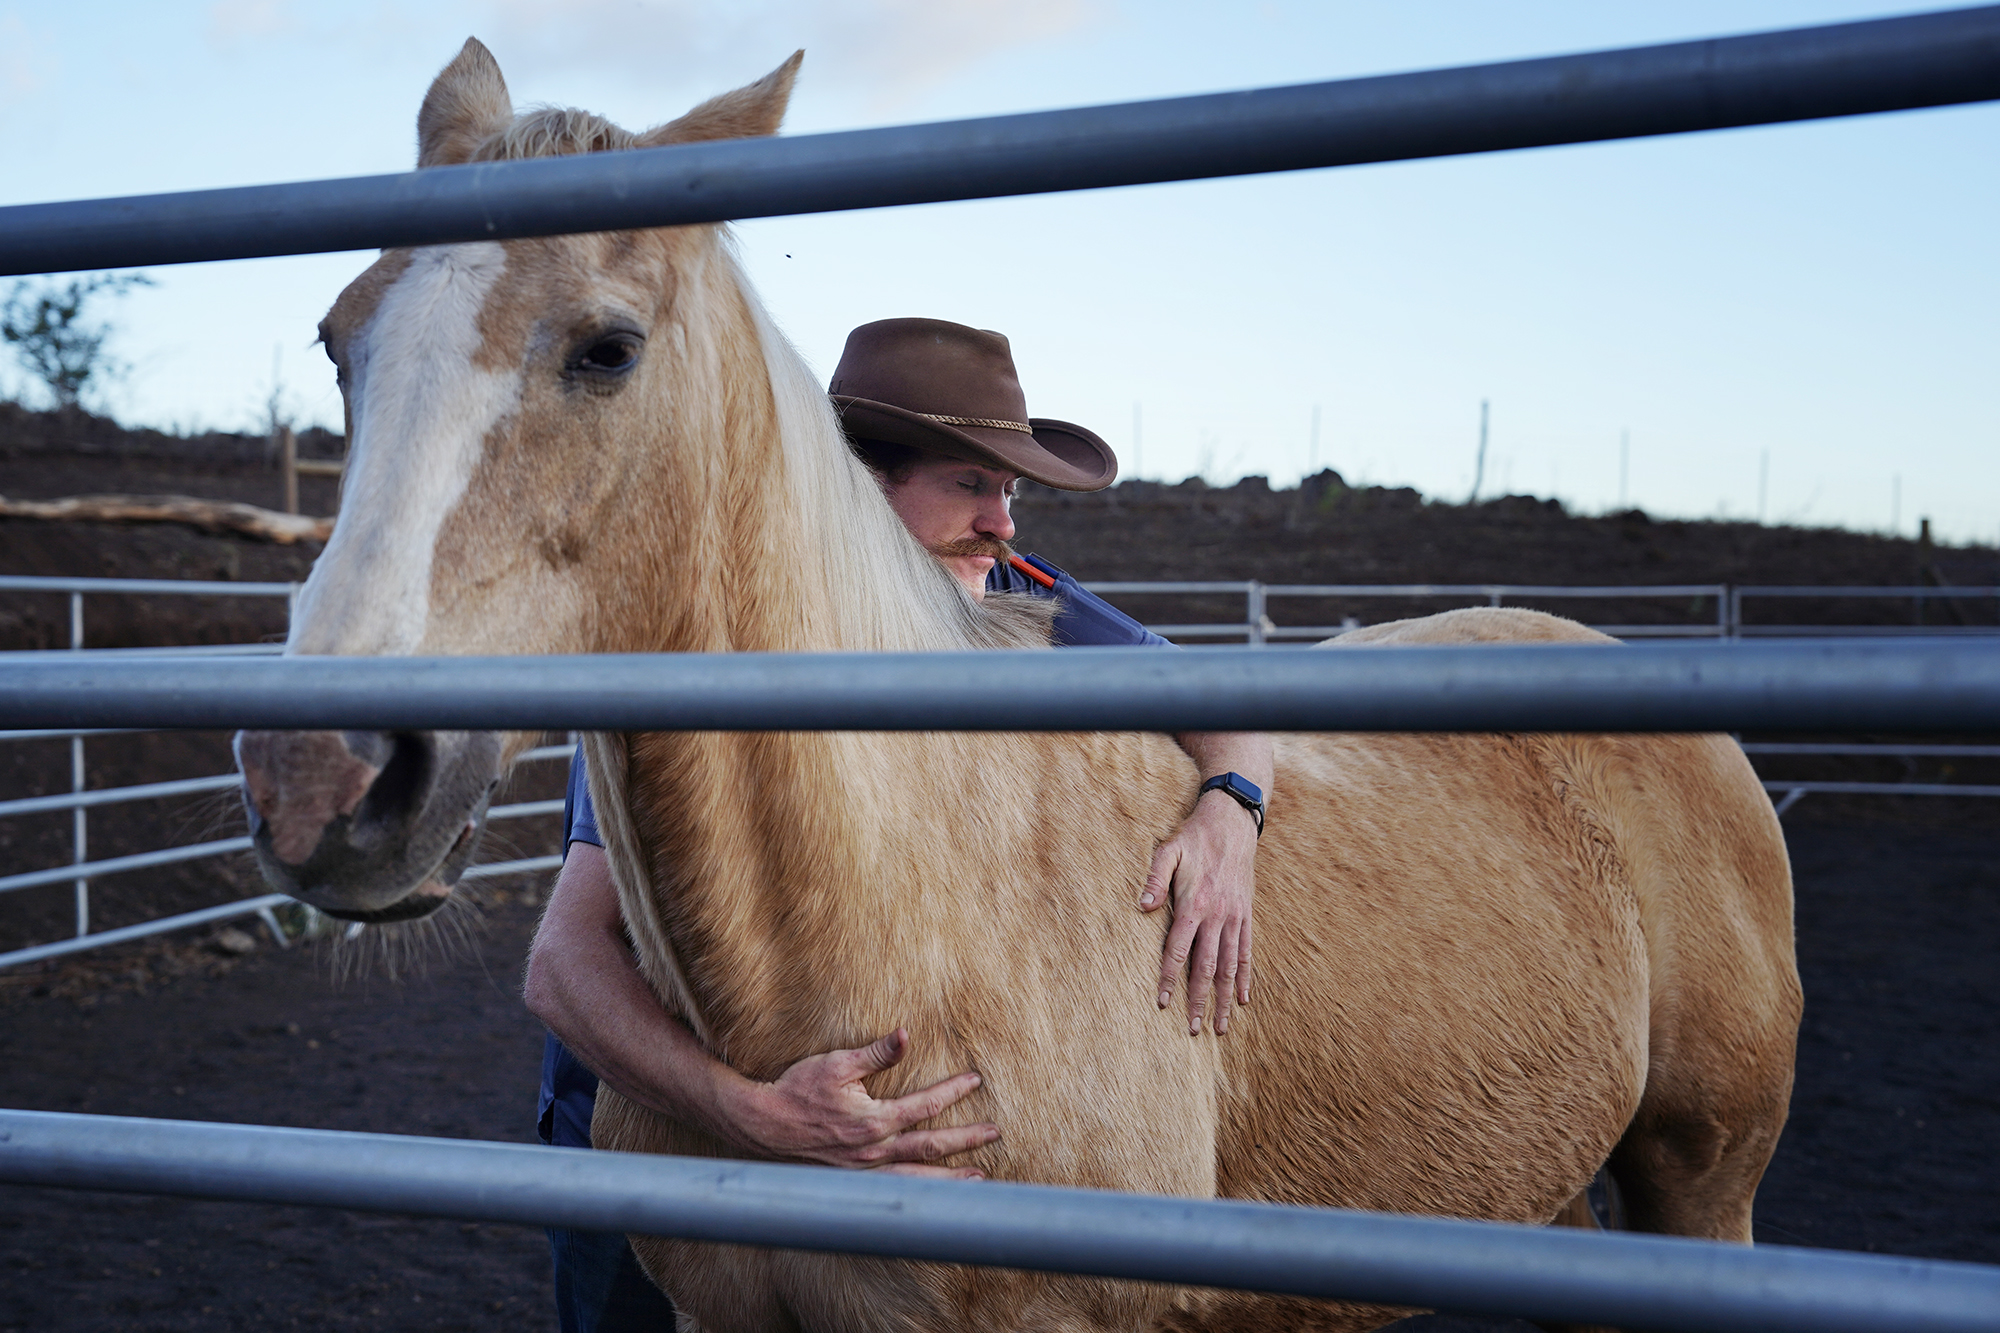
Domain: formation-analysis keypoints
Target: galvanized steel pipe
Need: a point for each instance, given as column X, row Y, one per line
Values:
column 160, row 926
column 1471, row 1267
column 1824, row 685
column 1841, row 70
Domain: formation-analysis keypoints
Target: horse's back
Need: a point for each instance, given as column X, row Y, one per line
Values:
column 1476, row 624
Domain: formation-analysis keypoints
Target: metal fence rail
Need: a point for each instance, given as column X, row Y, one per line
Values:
column 1919, row 596
column 1841, row 70
column 76, row 589
column 1793, row 790
column 202, row 850
column 1825, row 685
column 82, row 870
column 260, row 906
column 1258, row 628
column 1470, row 1267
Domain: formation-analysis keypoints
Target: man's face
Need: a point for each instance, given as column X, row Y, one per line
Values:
column 959, row 511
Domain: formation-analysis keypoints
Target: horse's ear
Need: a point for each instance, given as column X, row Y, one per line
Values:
column 754, row 110
column 467, row 104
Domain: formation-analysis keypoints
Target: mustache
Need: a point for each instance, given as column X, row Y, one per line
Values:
column 992, row 546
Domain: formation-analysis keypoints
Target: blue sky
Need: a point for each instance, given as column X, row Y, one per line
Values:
column 1810, row 302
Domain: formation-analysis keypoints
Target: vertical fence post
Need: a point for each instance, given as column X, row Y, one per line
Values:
column 78, row 828
column 1253, row 614
column 1725, row 600
column 288, row 453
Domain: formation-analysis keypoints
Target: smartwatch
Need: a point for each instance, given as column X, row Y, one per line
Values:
column 1240, row 790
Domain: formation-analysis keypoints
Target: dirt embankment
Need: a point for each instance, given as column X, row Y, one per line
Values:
column 1326, row 532
column 1322, row 531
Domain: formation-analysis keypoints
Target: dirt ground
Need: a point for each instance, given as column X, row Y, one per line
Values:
column 1889, row 1147
column 1894, row 1114
column 177, row 1031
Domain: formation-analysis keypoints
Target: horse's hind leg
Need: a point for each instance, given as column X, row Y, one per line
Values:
column 1692, row 1169
column 1724, row 1003
column 1718, row 1084
column 1598, row 1206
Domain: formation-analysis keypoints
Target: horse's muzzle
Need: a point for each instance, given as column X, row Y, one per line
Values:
column 365, row 825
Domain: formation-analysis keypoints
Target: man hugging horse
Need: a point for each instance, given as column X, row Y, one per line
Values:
column 937, row 413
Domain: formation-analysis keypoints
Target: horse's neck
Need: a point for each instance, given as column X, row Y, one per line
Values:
column 736, row 841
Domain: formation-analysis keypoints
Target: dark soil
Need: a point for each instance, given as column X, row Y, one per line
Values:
column 273, row 1038
column 1889, row 1146
column 1895, row 1110
column 1897, row 1105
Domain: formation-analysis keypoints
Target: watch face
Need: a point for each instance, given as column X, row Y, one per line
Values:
column 1237, row 786
column 1244, row 788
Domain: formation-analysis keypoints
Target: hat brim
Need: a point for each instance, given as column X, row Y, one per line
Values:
column 1058, row 453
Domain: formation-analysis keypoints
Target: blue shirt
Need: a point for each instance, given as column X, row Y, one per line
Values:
column 1084, row 620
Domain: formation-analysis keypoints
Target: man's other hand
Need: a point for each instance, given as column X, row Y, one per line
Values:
column 1208, row 871
column 819, row 1111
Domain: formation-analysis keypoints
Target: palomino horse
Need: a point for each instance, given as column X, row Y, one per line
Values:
column 1487, row 965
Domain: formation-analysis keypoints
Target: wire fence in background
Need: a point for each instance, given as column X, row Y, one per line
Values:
column 79, row 802
column 1257, row 628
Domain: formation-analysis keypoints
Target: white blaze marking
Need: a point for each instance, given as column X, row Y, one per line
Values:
column 421, row 411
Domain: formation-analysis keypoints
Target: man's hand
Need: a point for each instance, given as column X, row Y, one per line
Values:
column 818, row 1111
column 1208, row 869
column 583, row 983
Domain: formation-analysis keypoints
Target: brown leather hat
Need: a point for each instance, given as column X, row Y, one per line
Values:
column 952, row 390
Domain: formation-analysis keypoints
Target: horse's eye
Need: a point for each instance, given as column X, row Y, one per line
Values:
column 613, row 355
column 339, row 371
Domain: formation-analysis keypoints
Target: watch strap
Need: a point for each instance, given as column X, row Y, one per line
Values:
column 1240, row 790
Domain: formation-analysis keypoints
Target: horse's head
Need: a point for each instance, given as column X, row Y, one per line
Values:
column 501, row 398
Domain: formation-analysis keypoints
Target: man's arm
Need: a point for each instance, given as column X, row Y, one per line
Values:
column 1208, row 869
column 583, row 983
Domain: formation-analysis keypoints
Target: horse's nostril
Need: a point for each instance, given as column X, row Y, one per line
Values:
column 298, row 782
column 407, row 767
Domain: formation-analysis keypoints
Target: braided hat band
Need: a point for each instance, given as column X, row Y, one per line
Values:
column 1021, row 426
